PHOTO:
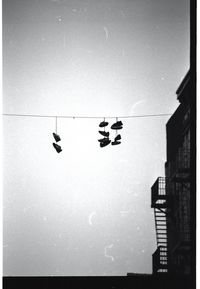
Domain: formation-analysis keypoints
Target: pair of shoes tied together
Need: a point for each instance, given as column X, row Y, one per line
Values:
column 104, row 141
column 55, row 145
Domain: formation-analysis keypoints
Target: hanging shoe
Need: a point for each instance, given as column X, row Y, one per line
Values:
column 105, row 143
column 57, row 147
column 118, row 137
column 117, row 125
column 56, row 137
column 103, row 139
column 103, row 124
column 104, row 133
column 114, row 126
column 114, row 143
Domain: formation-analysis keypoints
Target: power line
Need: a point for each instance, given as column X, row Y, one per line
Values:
column 87, row 117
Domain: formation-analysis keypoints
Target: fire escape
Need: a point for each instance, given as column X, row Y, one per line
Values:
column 159, row 203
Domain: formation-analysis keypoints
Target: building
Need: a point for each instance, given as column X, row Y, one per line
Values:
column 171, row 194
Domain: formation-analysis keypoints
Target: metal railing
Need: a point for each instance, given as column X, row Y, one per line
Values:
column 158, row 193
column 160, row 260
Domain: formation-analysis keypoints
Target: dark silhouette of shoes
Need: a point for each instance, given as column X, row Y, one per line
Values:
column 114, row 143
column 117, row 125
column 103, row 139
column 103, row 124
column 104, row 133
column 118, row 137
column 105, row 143
column 57, row 147
column 56, row 137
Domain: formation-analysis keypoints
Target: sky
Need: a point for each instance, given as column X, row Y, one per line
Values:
column 86, row 211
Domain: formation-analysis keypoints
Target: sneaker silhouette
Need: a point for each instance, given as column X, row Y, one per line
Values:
column 114, row 143
column 57, row 147
column 104, row 133
column 118, row 137
column 103, row 124
column 56, row 137
column 105, row 143
column 114, row 126
column 117, row 125
column 103, row 139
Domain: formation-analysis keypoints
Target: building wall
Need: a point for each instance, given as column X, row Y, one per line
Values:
column 177, row 170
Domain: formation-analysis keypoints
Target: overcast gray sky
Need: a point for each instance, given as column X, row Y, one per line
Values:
column 87, row 210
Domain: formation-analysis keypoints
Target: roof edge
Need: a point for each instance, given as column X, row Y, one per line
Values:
column 183, row 82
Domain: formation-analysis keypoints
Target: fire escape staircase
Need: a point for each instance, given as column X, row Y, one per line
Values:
column 159, row 203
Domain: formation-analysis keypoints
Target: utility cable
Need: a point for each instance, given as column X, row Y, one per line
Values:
column 87, row 117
